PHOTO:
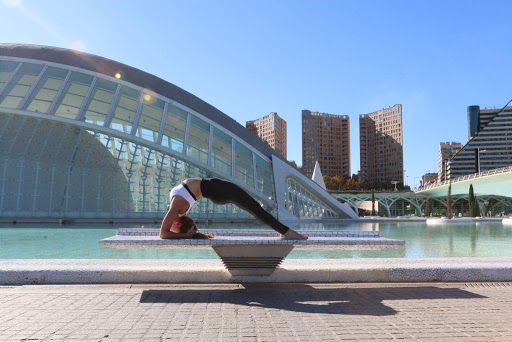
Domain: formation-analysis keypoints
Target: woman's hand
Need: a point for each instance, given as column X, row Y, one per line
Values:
column 198, row 235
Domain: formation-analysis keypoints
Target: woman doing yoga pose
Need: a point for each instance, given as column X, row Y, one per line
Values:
column 218, row 191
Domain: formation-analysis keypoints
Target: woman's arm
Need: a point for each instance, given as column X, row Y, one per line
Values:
column 175, row 209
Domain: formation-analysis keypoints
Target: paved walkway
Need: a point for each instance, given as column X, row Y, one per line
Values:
column 257, row 312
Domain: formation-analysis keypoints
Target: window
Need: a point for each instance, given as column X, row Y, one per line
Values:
column 126, row 109
column 99, row 102
column 46, row 90
column 150, row 118
column 20, row 85
column 174, row 128
column 244, row 164
column 73, row 95
column 221, row 151
column 198, row 139
column 6, row 69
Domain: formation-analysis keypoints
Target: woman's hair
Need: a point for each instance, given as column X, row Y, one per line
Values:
column 182, row 224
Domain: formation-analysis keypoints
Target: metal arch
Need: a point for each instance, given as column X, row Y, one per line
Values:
column 145, row 160
column 356, row 208
column 118, row 152
column 14, row 140
column 136, row 140
column 417, row 204
column 99, row 169
column 159, row 178
column 65, row 196
column 87, row 158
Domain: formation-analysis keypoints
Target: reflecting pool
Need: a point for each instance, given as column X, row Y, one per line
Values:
column 486, row 239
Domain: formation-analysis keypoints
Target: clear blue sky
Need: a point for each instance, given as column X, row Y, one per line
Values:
column 249, row 58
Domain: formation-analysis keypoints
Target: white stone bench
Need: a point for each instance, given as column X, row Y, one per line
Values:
column 252, row 252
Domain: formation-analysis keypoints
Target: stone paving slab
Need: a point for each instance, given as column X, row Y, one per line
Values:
column 257, row 312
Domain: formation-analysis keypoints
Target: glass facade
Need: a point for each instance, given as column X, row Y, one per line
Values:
column 46, row 90
column 303, row 204
column 147, row 175
column 99, row 102
column 174, row 128
column 73, row 96
column 125, row 109
column 198, row 139
column 19, row 86
column 136, row 147
column 150, row 118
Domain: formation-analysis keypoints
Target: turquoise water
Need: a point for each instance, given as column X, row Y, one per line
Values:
column 81, row 242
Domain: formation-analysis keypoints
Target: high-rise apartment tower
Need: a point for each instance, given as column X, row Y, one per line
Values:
column 326, row 138
column 490, row 142
column 271, row 129
column 381, row 145
column 446, row 151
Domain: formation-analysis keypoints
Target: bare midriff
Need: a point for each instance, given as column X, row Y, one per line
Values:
column 194, row 184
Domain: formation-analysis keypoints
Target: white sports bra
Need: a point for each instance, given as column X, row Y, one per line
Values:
column 183, row 191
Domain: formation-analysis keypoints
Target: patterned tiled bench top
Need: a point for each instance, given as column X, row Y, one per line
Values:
column 350, row 240
column 255, row 233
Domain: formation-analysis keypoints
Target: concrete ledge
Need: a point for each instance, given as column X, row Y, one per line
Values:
column 118, row 271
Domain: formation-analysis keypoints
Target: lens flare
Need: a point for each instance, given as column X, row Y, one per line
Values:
column 118, row 75
column 147, row 97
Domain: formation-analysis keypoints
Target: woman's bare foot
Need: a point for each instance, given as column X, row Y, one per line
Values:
column 293, row 235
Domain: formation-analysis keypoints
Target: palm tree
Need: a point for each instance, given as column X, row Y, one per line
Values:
column 427, row 208
column 373, row 203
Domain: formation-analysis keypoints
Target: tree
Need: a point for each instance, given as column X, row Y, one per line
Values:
column 474, row 210
column 449, row 202
column 373, row 203
column 427, row 208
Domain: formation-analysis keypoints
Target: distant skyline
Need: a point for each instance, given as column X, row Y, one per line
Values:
column 348, row 58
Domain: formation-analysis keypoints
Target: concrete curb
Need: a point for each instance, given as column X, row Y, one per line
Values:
column 119, row 271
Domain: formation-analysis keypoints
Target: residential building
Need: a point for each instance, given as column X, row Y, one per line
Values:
column 271, row 129
column 381, row 145
column 428, row 178
column 490, row 143
column 326, row 139
column 446, row 151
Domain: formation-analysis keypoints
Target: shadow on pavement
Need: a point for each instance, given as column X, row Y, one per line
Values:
column 306, row 298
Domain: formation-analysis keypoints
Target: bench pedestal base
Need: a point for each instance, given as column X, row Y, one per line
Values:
column 252, row 260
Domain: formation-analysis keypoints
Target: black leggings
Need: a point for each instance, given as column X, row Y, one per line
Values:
column 221, row 192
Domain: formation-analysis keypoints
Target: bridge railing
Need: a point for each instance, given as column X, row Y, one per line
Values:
column 466, row 177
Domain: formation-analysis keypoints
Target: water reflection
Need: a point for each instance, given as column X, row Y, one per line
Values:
column 422, row 241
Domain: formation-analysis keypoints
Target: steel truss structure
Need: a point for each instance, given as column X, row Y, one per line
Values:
column 86, row 137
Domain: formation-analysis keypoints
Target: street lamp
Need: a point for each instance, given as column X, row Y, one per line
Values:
column 395, row 183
